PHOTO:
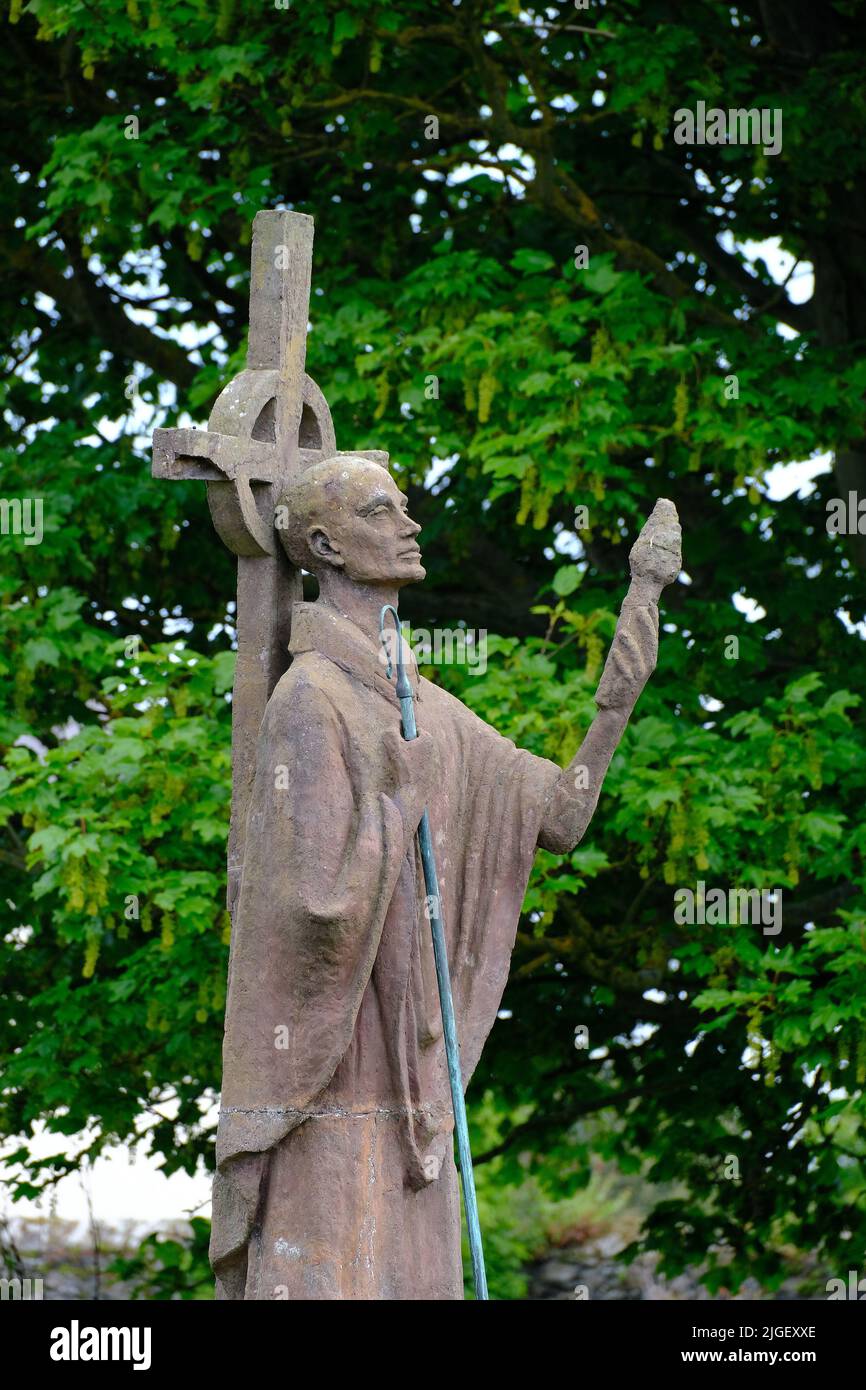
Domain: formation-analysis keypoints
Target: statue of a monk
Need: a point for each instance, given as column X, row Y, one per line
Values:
column 335, row 1171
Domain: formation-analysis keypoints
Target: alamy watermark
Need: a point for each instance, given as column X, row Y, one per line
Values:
column 846, row 516
column 22, row 516
column 854, row 1288
column 25, row 1290
column 736, row 126
column 700, row 906
column 77, row 1343
column 441, row 646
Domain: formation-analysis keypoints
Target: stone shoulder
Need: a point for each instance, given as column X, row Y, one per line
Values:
column 313, row 686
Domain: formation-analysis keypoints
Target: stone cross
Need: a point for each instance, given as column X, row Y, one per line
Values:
column 270, row 422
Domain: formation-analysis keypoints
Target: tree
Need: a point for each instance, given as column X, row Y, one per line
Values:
column 519, row 274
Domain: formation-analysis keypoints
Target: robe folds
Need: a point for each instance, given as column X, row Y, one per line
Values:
column 335, row 1172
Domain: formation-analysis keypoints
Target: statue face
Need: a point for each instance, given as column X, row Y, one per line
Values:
column 368, row 533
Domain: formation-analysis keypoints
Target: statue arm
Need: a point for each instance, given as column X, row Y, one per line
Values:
column 655, row 561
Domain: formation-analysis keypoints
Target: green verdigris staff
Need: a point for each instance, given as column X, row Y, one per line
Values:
column 443, row 978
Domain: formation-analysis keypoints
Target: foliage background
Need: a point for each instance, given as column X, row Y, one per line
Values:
column 124, row 294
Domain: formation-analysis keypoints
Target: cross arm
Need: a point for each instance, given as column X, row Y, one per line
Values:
column 212, row 457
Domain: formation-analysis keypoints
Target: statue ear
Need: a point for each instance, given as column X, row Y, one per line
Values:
column 320, row 546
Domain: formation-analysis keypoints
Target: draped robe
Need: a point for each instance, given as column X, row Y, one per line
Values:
column 335, row 1172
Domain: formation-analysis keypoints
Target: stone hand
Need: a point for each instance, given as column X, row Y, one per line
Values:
column 412, row 771
column 656, row 556
column 655, row 561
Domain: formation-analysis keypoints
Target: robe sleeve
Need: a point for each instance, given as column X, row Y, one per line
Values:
column 495, row 824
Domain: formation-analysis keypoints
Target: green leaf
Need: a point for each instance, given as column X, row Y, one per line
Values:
column 530, row 262
column 566, row 580
column 40, row 651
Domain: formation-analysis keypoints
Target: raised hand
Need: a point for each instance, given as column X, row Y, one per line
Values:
column 656, row 556
column 655, row 560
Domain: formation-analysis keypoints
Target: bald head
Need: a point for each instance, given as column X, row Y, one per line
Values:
column 314, row 497
column 347, row 514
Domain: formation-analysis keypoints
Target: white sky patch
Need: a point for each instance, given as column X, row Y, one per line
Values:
column 780, row 263
column 438, row 468
column 853, row 629
column 654, row 996
column 123, row 1188
column 510, row 154
column 799, row 288
column 785, row 478
column 642, row 1032
column 749, row 607
column 568, row 544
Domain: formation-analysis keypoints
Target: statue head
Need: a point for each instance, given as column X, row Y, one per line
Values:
column 346, row 517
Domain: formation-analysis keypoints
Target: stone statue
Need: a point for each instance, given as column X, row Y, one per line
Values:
column 335, row 1174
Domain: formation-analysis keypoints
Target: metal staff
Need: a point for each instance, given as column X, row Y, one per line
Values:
column 440, row 954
